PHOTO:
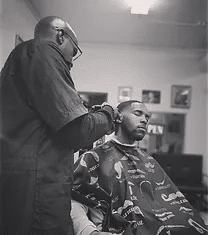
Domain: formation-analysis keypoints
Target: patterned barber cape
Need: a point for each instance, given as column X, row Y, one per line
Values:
column 133, row 192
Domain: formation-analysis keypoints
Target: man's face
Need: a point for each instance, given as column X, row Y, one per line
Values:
column 134, row 122
column 69, row 47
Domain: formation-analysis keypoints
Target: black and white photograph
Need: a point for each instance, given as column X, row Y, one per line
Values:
column 92, row 94
column 151, row 96
column 180, row 96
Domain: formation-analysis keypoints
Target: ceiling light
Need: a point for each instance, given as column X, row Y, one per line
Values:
column 140, row 6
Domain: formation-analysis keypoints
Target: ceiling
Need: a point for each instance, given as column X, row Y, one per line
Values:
column 171, row 23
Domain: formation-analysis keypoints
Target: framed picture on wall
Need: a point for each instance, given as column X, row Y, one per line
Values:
column 151, row 96
column 18, row 40
column 124, row 94
column 180, row 96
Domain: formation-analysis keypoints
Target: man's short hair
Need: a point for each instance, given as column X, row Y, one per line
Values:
column 122, row 106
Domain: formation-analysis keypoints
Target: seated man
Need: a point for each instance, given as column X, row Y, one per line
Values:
column 118, row 188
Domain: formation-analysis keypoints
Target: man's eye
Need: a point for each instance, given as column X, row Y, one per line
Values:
column 138, row 113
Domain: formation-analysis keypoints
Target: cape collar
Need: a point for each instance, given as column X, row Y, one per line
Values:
column 118, row 142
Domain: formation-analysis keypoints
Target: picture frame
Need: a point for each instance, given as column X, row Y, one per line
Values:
column 151, row 96
column 18, row 40
column 180, row 96
column 124, row 93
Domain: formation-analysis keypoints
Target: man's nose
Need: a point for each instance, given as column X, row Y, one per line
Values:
column 144, row 120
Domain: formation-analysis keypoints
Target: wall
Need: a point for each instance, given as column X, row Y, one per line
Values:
column 104, row 67
column 15, row 18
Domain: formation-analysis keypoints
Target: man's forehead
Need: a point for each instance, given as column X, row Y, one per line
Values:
column 139, row 106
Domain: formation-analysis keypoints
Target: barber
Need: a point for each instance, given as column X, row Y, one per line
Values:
column 43, row 122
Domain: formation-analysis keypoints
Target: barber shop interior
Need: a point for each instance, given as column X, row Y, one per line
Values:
column 154, row 51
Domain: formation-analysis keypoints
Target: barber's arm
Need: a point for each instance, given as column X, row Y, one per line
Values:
column 89, row 127
column 53, row 98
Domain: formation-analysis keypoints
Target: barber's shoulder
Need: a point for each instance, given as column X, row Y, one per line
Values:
column 21, row 50
column 46, row 50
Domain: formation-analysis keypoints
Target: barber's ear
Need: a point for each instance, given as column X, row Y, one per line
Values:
column 60, row 36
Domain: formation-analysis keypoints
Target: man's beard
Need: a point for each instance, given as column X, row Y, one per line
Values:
column 134, row 134
column 139, row 136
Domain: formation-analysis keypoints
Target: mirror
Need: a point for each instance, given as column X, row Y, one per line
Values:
column 165, row 133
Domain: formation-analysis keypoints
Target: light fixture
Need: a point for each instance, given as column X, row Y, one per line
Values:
column 140, row 6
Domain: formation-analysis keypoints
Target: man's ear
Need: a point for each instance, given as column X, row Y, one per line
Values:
column 119, row 118
column 60, row 36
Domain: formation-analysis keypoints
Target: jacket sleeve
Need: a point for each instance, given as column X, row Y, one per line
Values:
column 88, row 128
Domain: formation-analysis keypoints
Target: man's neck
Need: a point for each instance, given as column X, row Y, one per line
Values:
column 123, row 142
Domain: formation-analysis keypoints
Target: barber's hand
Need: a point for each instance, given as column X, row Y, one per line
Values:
column 116, row 116
column 115, row 113
column 116, row 119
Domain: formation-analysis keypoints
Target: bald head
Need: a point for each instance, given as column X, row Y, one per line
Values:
column 48, row 27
